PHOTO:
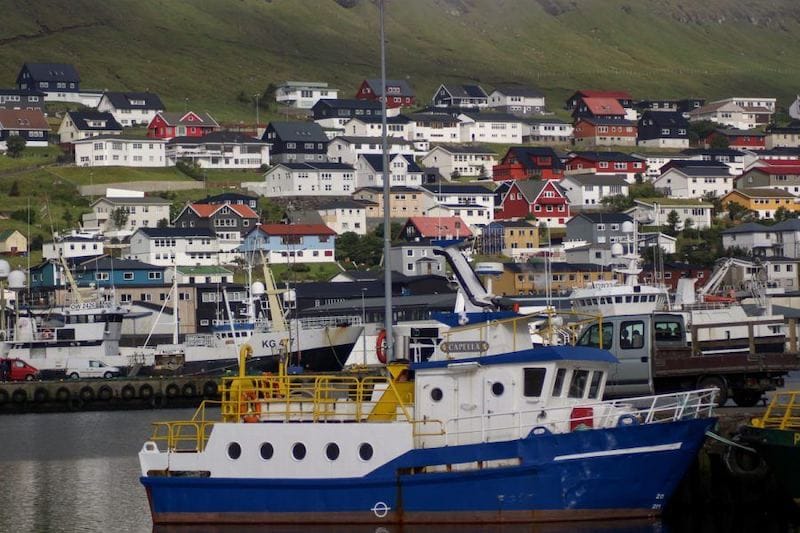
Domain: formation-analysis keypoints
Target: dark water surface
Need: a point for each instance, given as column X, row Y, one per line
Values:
column 73, row 472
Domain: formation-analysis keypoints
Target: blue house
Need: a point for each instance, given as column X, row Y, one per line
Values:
column 103, row 271
column 292, row 243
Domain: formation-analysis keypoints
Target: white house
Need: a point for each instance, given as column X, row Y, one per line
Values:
column 737, row 112
column 586, row 191
column 345, row 215
column 517, row 99
column 654, row 162
column 465, row 159
column 655, row 211
column 498, row 128
column 474, row 215
column 78, row 125
column 473, row 203
column 399, row 126
column 170, row 246
column 347, row 149
column 117, row 151
column 546, row 130
column 140, row 212
column 734, row 159
column 192, row 275
column 754, row 238
column 219, row 149
column 306, row 179
column 435, row 128
column 403, row 170
column 695, row 181
column 131, row 108
column 303, row 94
column 416, row 259
column 74, row 245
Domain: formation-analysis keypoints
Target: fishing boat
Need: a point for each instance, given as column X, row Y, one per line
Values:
column 776, row 438
column 487, row 429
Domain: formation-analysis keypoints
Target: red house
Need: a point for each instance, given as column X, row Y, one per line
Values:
column 606, row 163
column 166, row 125
column 427, row 228
column 623, row 97
column 599, row 107
column 545, row 200
column 605, row 131
column 738, row 139
column 524, row 162
column 399, row 92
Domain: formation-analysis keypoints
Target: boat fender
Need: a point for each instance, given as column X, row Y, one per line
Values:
column 146, row 392
column 539, row 431
column 744, row 464
column 157, row 401
column 86, row 394
column 41, row 395
column 19, row 396
column 210, row 388
column 63, row 394
column 627, row 420
column 189, row 390
column 172, row 390
column 380, row 346
column 105, row 393
column 3, row 396
column 127, row 392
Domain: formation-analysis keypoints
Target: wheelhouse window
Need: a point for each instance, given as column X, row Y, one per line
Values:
column 533, row 382
column 558, row 384
column 577, row 386
column 594, row 386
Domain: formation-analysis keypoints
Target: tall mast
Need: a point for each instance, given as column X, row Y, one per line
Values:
column 387, row 221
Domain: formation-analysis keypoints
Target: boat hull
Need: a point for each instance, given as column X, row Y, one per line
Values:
column 597, row 474
column 780, row 449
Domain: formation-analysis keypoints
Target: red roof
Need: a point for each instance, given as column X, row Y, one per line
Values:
column 206, row 210
column 620, row 95
column 435, row 227
column 604, row 106
column 783, row 168
column 296, row 229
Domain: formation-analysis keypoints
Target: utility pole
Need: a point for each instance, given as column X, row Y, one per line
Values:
column 387, row 220
column 257, row 96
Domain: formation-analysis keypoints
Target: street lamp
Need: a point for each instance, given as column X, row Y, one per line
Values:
column 363, row 326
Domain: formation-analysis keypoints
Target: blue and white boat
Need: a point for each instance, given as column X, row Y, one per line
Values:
column 487, row 429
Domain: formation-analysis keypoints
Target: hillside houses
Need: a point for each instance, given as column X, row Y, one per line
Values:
column 398, row 92
column 219, row 149
column 765, row 202
column 334, row 113
column 695, row 181
column 119, row 150
column 500, row 128
column 737, row 112
column 303, row 94
column 78, row 125
column 461, row 160
column 465, row 96
column 524, row 162
column 663, row 129
column 30, row 125
column 587, row 191
column 786, row 177
column 131, row 108
column 296, row 142
column 166, row 125
column 543, row 200
column 306, row 179
column 402, row 170
column 347, row 149
column 606, row 163
column 517, row 99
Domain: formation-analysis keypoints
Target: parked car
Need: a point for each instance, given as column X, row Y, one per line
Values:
column 17, row 370
column 89, row 368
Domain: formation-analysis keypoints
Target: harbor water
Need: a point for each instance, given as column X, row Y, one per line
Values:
column 75, row 472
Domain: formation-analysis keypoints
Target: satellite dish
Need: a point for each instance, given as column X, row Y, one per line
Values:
column 627, row 227
column 5, row 268
column 616, row 249
column 257, row 289
column 16, row 279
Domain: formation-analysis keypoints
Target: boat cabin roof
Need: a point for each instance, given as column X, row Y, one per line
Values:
column 545, row 354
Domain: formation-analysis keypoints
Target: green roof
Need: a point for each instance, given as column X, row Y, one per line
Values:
column 203, row 270
column 5, row 234
column 674, row 201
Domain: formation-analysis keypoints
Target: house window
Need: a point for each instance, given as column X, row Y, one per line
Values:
column 127, row 276
column 101, row 276
column 154, row 275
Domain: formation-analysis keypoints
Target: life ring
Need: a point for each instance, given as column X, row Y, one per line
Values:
column 271, row 386
column 250, row 407
column 380, row 346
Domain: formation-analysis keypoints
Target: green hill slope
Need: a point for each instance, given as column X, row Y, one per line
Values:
column 208, row 51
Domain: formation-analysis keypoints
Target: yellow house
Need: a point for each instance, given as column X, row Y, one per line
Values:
column 530, row 278
column 13, row 242
column 510, row 238
column 405, row 201
column 764, row 201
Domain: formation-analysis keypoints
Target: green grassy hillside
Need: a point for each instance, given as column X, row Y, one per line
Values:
column 208, row 51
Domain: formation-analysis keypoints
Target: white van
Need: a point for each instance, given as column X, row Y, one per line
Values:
column 89, row 368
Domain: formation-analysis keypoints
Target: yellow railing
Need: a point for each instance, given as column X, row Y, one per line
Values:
column 187, row 435
column 783, row 412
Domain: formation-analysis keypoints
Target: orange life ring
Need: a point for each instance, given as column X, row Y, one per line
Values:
column 271, row 386
column 251, row 407
column 380, row 346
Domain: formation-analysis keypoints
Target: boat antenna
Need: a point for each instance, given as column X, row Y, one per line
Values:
column 387, row 220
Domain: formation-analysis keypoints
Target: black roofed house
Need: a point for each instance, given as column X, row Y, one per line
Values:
column 695, row 181
column 32, row 100
column 524, row 162
column 469, row 96
column 219, row 149
column 663, row 129
column 606, row 163
column 232, row 198
column 399, row 92
column 397, row 126
column 402, row 169
column 330, row 113
column 29, row 125
column 434, row 128
column 131, row 108
column 170, row 246
column 587, row 191
column 296, row 142
column 600, row 228
column 49, row 77
column 346, row 149
column 78, row 125
column 787, row 136
column 517, row 99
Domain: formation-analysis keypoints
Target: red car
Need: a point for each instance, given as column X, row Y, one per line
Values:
column 17, row 370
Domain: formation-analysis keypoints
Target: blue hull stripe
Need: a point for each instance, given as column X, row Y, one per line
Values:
column 592, row 481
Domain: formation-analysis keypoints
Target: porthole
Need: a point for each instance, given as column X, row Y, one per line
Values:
column 437, row 394
column 299, row 451
column 365, row 451
column 234, row 450
column 266, row 451
column 498, row 388
column 332, row 451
